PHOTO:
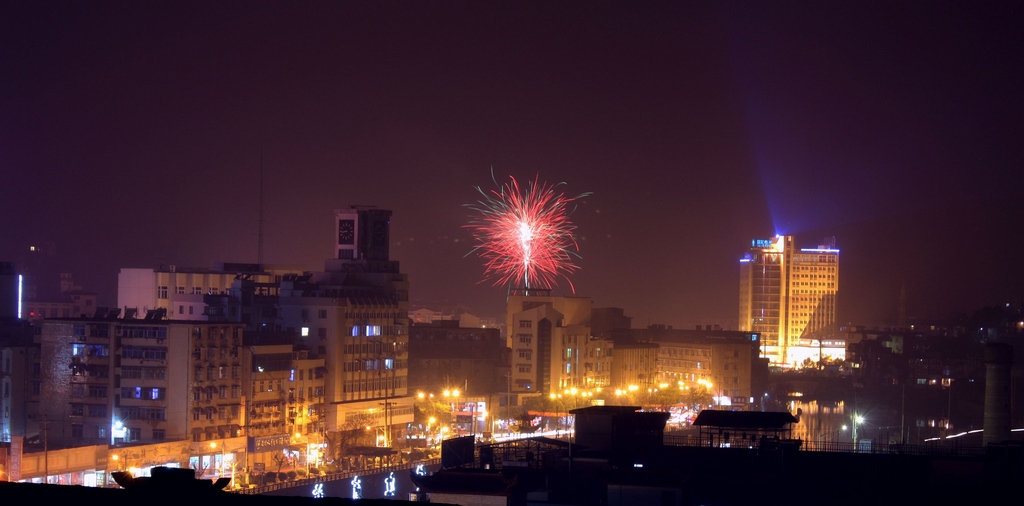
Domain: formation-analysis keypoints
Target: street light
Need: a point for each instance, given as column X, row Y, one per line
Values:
column 857, row 421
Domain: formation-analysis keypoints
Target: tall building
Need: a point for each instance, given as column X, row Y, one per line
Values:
column 788, row 297
column 116, row 380
column 552, row 346
column 353, row 315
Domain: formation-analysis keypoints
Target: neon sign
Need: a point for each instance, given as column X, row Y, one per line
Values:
column 357, row 488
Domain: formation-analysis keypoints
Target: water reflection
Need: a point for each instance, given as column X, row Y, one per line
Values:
column 887, row 418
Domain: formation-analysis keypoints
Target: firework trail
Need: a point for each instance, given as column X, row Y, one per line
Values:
column 524, row 234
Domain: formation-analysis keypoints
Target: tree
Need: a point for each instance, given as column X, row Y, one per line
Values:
column 698, row 396
column 428, row 408
column 352, row 432
column 662, row 399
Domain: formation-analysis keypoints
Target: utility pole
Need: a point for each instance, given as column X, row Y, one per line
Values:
column 508, row 402
column 45, row 426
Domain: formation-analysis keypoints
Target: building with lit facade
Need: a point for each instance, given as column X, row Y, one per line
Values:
column 635, row 365
column 725, row 362
column 788, row 297
column 284, row 403
column 552, row 346
column 353, row 315
column 119, row 381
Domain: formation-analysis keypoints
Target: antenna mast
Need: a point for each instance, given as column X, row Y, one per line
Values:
column 259, row 246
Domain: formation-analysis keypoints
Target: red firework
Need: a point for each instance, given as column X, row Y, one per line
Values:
column 525, row 236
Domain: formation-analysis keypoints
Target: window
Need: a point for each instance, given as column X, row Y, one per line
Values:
column 153, row 414
column 304, row 332
column 322, row 314
column 197, row 290
column 525, row 324
column 161, row 292
column 76, row 430
column 155, row 373
column 322, row 332
column 97, row 411
column 77, row 410
column 180, row 290
column 159, row 434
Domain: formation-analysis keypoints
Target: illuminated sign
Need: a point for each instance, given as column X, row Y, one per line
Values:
column 357, row 488
column 389, row 485
column 267, row 443
column 763, row 243
column 318, row 491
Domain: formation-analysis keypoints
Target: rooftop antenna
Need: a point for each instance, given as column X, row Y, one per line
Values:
column 259, row 247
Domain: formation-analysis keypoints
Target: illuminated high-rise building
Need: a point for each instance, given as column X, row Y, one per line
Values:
column 788, row 297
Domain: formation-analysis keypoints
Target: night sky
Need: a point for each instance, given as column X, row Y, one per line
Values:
column 132, row 134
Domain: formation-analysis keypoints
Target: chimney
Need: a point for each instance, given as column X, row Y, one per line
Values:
column 998, row 362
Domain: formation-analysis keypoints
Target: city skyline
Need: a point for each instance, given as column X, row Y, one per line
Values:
column 135, row 136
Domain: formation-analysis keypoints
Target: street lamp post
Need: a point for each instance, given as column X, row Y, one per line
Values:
column 857, row 421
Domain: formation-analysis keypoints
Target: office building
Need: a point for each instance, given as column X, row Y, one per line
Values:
column 788, row 297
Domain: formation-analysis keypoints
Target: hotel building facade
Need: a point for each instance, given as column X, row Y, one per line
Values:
column 788, row 297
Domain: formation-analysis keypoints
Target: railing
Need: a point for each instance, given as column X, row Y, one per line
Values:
column 930, row 450
column 341, row 475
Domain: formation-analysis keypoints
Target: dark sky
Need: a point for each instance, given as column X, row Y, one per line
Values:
column 131, row 135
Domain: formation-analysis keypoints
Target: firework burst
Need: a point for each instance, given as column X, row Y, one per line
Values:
column 524, row 234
